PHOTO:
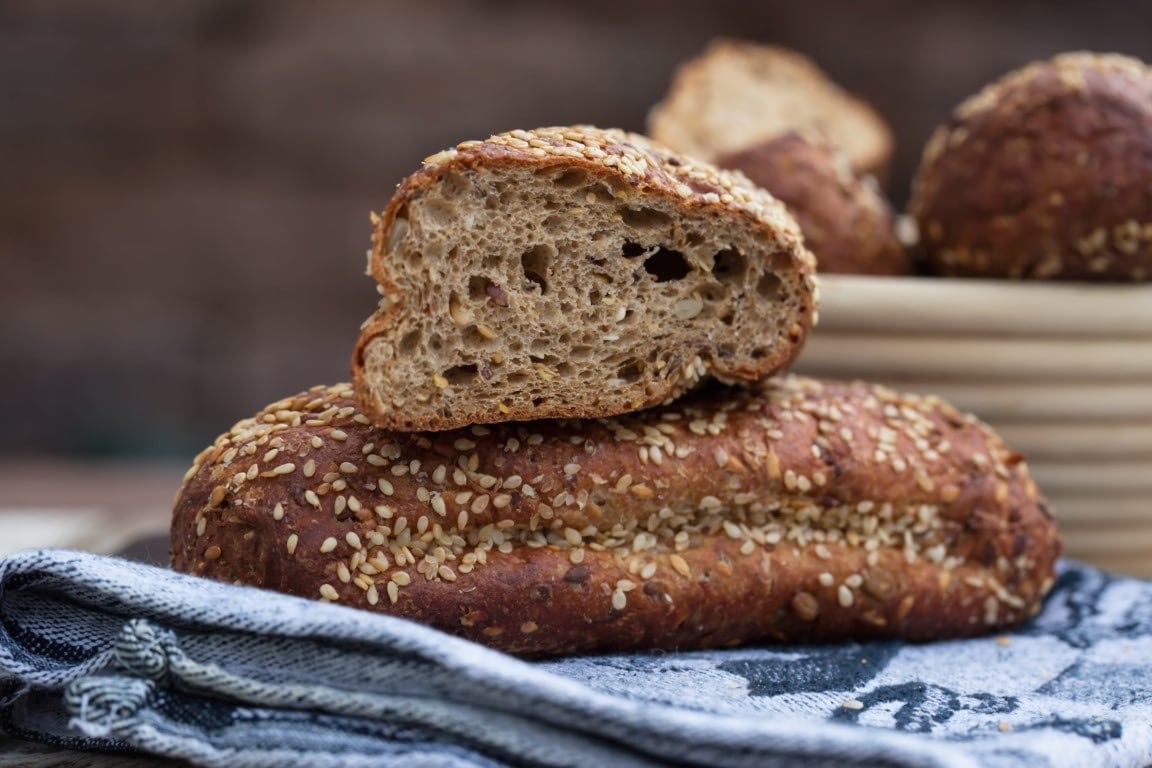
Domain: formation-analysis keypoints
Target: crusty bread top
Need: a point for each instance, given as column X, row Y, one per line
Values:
column 574, row 272
column 1044, row 174
column 791, row 510
column 737, row 94
column 846, row 220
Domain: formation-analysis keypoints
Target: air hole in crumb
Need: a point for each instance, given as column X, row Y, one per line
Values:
column 769, row 286
column 538, row 401
column 632, row 250
column 564, row 369
column 759, row 353
column 631, row 371
column 409, row 341
column 645, row 218
column 594, row 297
column 477, row 285
column 571, row 178
column 535, row 263
column 516, row 379
column 694, row 239
column 460, row 374
column 666, row 265
column 726, row 351
column 554, row 222
column 730, row 265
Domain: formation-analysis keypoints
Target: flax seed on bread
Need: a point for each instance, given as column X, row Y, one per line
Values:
column 574, row 272
column 738, row 93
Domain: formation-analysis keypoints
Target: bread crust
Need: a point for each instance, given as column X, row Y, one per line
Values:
column 700, row 117
column 1044, row 174
column 798, row 511
column 846, row 221
column 636, row 169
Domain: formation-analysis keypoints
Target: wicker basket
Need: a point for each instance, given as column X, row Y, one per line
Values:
column 1062, row 371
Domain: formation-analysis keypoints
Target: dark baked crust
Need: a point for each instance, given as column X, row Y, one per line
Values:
column 795, row 511
column 846, row 222
column 1044, row 174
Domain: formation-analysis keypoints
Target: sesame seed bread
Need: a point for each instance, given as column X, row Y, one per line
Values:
column 846, row 221
column 737, row 94
column 795, row 510
column 1044, row 174
column 573, row 272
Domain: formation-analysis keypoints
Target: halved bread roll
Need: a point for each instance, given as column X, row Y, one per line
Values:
column 737, row 94
column 574, row 272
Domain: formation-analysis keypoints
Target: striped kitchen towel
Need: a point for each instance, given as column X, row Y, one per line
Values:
column 102, row 653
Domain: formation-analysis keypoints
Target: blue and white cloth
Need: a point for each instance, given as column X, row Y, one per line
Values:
column 102, row 653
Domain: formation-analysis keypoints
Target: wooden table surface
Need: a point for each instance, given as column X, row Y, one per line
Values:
column 98, row 507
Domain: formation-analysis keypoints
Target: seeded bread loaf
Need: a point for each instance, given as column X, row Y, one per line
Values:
column 1044, row 174
column 795, row 510
column 846, row 222
column 737, row 94
column 573, row 272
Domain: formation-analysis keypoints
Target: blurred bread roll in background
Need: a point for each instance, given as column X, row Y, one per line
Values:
column 1045, row 173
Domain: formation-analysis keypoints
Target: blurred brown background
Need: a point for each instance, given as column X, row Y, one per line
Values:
column 185, row 185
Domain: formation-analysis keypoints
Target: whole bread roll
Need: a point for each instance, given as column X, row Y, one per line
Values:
column 574, row 272
column 1044, row 174
column 846, row 221
column 796, row 510
column 737, row 94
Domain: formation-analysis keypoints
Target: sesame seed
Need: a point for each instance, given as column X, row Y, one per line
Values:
column 353, row 540
column 342, row 573
column 571, row 469
column 852, row 704
column 844, row 596
column 338, row 434
column 385, row 486
column 642, row 491
column 328, row 592
column 349, row 468
column 293, row 540
column 680, row 565
column 278, row 511
column 438, row 505
column 316, row 442
column 311, row 497
column 464, row 445
column 372, row 595
column 619, row 600
column 401, row 578
column 393, row 592
column 328, row 544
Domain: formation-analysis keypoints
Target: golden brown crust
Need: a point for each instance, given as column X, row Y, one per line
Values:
column 798, row 511
column 846, row 222
column 635, row 169
column 1044, row 174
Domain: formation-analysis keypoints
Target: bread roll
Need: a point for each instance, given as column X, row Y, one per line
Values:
column 846, row 222
column 1044, row 174
column 795, row 510
column 737, row 94
column 573, row 272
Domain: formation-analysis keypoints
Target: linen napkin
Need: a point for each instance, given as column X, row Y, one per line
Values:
column 102, row 653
